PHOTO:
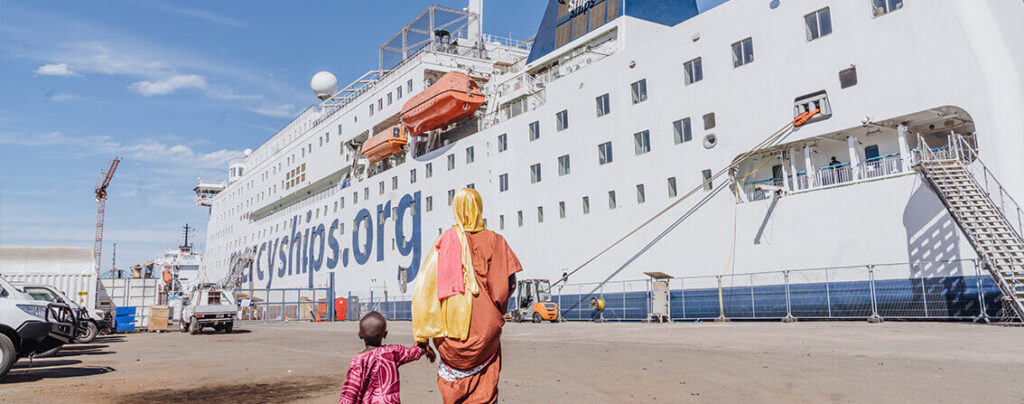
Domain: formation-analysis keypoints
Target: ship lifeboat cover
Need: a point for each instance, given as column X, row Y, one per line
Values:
column 387, row 143
column 452, row 98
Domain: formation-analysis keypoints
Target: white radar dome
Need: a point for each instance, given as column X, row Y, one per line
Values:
column 247, row 152
column 324, row 85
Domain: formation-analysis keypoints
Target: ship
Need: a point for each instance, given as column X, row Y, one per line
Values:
column 634, row 137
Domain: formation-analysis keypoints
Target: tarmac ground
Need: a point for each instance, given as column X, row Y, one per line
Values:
column 569, row 362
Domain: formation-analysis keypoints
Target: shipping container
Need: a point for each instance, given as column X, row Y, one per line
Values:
column 69, row 269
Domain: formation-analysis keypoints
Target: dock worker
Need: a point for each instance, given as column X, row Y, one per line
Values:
column 460, row 300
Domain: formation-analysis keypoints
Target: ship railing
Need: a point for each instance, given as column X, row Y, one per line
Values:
column 824, row 177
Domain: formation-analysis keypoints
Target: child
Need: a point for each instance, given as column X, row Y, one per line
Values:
column 373, row 373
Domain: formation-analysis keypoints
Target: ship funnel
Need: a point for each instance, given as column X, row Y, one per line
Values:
column 324, row 85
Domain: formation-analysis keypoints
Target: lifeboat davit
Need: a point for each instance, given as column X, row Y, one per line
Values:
column 452, row 98
column 385, row 144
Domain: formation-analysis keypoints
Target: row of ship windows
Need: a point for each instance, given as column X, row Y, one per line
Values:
column 380, row 101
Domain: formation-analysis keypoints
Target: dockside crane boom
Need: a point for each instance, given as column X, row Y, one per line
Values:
column 101, row 202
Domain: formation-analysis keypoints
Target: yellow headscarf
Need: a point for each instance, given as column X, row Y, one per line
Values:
column 450, row 317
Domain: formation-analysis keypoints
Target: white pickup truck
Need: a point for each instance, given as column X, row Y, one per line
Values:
column 90, row 321
column 208, row 306
column 29, row 327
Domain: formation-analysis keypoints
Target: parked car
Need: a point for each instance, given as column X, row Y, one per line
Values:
column 29, row 327
column 90, row 321
column 208, row 306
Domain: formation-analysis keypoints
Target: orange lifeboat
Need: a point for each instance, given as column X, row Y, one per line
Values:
column 452, row 98
column 385, row 144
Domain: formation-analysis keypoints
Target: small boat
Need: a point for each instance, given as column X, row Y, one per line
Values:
column 387, row 143
column 452, row 98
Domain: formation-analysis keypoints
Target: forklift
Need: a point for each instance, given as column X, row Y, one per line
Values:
column 533, row 302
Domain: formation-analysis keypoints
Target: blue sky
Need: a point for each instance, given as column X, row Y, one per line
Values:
column 174, row 88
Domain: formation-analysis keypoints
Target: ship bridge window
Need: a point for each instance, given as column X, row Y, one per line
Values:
column 503, row 183
column 562, row 120
column 639, row 91
column 642, row 142
column 682, row 130
column 604, row 153
column 742, row 52
column 535, row 173
column 693, row 71
column 502, row 142
column 818, row 24
column 883, row 7
column 602, row 105
column 563, row 165
column 534, row 130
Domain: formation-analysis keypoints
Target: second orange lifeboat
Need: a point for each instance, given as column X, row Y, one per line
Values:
column 452, row 98
column 385, row 144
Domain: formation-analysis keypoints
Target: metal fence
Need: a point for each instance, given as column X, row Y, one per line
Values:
column 889, row 291
column 280, row 304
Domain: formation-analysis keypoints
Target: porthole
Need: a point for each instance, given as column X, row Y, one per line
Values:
column 710, row 141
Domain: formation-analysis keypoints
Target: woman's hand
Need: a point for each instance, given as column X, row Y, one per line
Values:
column 425, row 347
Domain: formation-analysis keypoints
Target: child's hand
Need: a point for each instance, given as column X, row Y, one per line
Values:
column 425, row 346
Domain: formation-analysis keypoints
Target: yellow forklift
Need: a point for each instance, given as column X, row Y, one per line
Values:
column 533, row 302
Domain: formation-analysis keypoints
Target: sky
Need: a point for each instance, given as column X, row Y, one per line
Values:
column 176, row 89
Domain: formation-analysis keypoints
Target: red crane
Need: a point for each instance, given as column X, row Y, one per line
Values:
column 101, row 203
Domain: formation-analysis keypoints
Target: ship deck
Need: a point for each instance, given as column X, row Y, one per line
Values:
column 572, row 363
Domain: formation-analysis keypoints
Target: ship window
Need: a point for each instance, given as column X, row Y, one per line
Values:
column 501, row 222
column 398, row 92
column 586, row 205
column 534, row 130
column 561, row 209
column 451, row 196
column 693, row 71
column 642, row 142
column 742, row 52
column 535, row 173
column 303, row 152
column 519, row 215
column 430, row 203
column 371, row 109
column 503, row 183
column 611, row 200
column 339, row 129
column 848, row 77
column 389, row 98
column 871, row 153
column 706, row 174
column 818, row 24
column 430, row 170
column 540, row 214
column 563, row 165
column 562, row 120
column 604, row 153
column 409, row 86
column 471, row 186
column 683, row 130
column 355, row 197
column 883, row 7
column 394, row 182
column 341, row 202
column 640, row 196
column 366, row 193
column 709, row 121
column 502, row 142
column 469, row 154
column 451, row 162
column 639, row 90
column 412, row 176
column 321, row 140
column 672, row 187
column 380, row 103
column 602, row 105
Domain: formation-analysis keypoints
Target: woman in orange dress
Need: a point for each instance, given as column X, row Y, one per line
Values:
column 470, row 353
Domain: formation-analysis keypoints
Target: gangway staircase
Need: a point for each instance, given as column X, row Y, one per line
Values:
column 239, row 263
column 993, row 229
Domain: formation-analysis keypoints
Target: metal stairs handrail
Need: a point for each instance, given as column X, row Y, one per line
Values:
column 987, row 225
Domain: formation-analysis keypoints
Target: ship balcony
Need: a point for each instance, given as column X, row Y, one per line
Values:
column 871, row 152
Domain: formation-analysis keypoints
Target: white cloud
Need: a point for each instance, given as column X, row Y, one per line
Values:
column 279, row 110
column 204, row 15
column 168, row 85
column 149, row 150
column 55, row 69
column 59, row 97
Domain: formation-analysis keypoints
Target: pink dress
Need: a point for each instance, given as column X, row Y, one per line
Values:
column 373, row 376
